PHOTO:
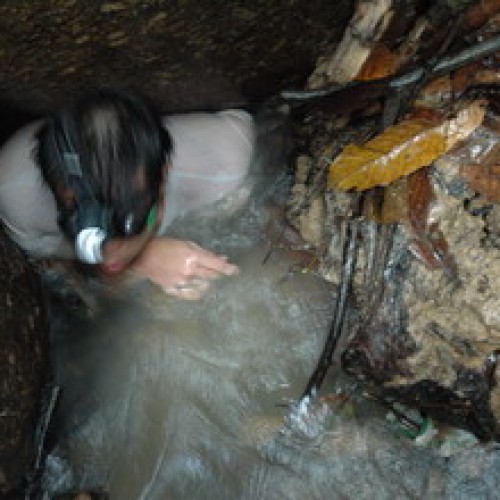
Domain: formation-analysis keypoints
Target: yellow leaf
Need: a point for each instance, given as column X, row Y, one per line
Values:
column 400, row 150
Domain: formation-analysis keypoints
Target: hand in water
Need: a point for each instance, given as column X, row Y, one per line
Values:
column 182, row 268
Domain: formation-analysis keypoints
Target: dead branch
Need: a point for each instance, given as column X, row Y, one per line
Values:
column 355, row 95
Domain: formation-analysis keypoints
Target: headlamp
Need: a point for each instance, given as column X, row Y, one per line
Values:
column 88, row 245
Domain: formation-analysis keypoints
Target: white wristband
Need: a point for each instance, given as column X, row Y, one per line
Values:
column 88, row 245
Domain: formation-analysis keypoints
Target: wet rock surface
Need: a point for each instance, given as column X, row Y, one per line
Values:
column 420, row 336
column 22, row 363
column 422, row 318
column 185, row 54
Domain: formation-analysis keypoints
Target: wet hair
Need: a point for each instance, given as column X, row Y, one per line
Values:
column 120, row 148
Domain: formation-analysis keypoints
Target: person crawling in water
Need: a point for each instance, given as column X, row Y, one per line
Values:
column 103, row 178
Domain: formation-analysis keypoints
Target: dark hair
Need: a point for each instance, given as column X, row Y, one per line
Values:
column 121, row 147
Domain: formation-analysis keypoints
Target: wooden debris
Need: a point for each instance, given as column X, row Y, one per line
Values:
column 424, row 320
column 368, row 24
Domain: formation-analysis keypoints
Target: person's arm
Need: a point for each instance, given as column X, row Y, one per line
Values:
column 181, row 268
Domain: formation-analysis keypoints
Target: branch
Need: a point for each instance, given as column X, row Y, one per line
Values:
column 356, row 94
column 349, row 257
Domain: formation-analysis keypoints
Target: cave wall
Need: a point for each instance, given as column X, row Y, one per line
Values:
column 186, row 54
column 23, row 363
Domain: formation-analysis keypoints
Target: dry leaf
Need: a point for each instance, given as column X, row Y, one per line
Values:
column 420, row 198
column 398, row 151
column 408, row 201
column 483, row 179
column 465, row 122
column 481, row 12
column 435, row 93
column 401, row 149
column 387, row 205
column 380, row 63
column 432, row 249
column 462, row 77
column 395, row 207
column 474, row 74
column 427, row 242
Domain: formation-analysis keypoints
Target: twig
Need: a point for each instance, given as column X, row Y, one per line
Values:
column 407, row 96
column 349, row 256
column 381, row 87
column 40, row 442
column 374, row 282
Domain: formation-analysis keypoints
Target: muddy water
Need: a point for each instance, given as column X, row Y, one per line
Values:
column 164, row 399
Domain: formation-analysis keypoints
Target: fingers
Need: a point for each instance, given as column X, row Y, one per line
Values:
column 204, row 272
column 213, row 267
column 188, row 272
column 209, row 265
column 193, row 290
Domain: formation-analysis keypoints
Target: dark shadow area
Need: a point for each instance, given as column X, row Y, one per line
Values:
column 12, row 118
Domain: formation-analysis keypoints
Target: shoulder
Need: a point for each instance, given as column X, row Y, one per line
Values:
column 17, row 154
column 27, row 206
column 223, row 137
column 235, row 123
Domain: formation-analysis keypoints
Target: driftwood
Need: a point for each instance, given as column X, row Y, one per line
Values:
column 338, row 325
column 342, row 98
column 368, row 24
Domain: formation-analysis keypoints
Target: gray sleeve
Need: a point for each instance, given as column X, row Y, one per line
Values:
column 27, row 207
column 210, row 160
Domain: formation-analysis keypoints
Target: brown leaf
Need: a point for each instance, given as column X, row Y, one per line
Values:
column 387, row 205
column 481, row 12
column 435, row 93
column 395, row 206
column 433, row 250
column 483, row 179
column 427, row 242
column 483, row 176
column 398, row 151
column 474, row 74
column 380, row 63
column 420, row 198
column 401, row 149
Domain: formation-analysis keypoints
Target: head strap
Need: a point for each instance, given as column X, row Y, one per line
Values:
column 90, row 223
